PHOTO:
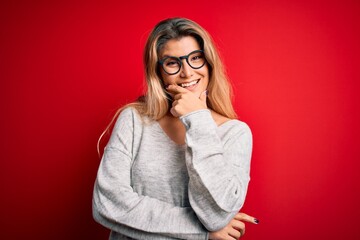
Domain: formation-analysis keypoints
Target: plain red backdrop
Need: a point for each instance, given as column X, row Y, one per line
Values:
column 65, row 67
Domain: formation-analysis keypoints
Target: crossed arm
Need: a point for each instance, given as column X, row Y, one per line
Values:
column 121, row 209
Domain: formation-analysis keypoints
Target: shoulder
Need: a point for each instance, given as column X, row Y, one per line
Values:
column 235, row 130
column 128, row 112
column 127, row 127
column 226, row 124
column 132, row 111
column 218, row 118
column 236, row 126
column 128, row 117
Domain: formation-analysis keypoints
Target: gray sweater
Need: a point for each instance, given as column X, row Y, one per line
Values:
column 148, row 187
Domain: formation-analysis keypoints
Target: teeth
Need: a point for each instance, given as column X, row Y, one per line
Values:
column 189, row 84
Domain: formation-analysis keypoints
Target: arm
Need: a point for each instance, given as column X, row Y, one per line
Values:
column 118, row 207
column 219, row 172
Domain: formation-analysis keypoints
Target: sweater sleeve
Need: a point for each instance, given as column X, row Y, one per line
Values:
column 218, row 168
column 118, row 207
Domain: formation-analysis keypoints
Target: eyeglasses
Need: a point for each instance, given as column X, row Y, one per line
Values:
column 172, row 65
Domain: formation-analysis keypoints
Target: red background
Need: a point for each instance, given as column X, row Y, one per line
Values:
column 65, row 67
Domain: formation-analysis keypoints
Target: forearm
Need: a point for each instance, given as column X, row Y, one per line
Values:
column 219, row 171
column 152, row 223
column 118, row 207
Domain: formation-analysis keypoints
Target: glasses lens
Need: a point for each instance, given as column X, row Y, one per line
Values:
column 171, row 65
column 196, row 59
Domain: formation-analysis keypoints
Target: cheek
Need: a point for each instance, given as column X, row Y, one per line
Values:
column 205, row 70
column 205, row 73
column 167, row 79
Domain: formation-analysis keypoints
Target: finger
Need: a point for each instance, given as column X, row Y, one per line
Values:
column 178, row 96
column 238, row 225
column 176, row 109
column 242, row 232
column 246, row 218
column 235, row 233
column 229, row 237
column 173, row 88
column 173, row 112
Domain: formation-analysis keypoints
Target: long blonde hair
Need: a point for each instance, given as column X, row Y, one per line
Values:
column 155, row 103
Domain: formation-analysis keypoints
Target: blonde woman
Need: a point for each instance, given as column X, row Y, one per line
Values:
column 177, row 163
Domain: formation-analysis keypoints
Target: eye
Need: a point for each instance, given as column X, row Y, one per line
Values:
column 196, row 57
column 171, row 62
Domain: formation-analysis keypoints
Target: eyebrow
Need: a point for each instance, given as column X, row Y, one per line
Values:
column 166, row 55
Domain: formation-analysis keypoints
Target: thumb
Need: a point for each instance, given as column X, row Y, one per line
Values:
column 203, row 96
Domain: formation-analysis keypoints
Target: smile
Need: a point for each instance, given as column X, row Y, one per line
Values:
column 188, row 84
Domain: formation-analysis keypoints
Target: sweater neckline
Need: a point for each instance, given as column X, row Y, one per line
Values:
column 161, row 130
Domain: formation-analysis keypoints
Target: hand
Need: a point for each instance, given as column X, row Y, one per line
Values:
column 185, row 101
column 235, row 228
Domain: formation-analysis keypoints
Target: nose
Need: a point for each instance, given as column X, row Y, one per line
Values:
column 186, row 70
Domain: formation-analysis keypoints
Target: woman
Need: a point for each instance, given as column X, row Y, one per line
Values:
column 177, row 163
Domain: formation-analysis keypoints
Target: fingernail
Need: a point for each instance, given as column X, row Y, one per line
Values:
column 256, row 221
column 206, row 92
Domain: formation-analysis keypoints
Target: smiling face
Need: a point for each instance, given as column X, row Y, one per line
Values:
column 194, row 80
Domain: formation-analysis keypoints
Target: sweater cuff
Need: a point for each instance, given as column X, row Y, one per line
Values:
column 199, row 118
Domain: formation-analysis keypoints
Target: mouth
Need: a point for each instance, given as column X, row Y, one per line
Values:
column 191, row 84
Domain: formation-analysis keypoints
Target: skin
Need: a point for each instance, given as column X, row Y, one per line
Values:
column 234, row 229
column 186, row 100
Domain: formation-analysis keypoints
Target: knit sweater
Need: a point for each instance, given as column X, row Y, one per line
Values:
column 149, row 187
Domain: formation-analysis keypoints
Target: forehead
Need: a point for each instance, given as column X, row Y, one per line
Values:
column 179, row 47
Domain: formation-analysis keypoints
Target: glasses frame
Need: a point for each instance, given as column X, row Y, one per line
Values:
column 186, row 57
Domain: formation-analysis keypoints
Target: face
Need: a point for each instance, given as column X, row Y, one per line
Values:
column 194, row 80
